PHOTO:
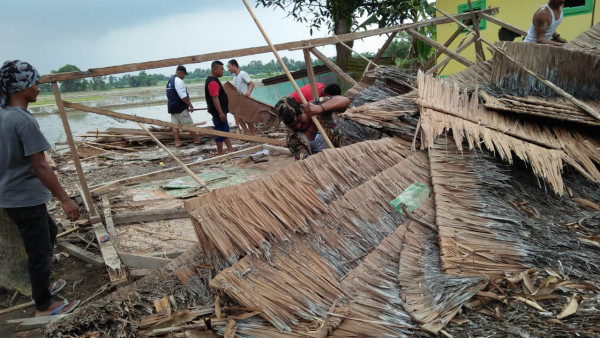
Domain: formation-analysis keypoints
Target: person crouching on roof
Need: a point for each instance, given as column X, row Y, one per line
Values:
column 303, row 137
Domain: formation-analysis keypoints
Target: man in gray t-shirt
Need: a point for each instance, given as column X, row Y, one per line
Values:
column 244, row 85
column 26, row 181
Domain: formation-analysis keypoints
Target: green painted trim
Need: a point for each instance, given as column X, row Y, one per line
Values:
column 585, row 9
column 476, row 5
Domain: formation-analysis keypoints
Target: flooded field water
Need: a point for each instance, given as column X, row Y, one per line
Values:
column 149, row 103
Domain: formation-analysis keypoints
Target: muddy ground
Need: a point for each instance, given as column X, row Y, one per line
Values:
column 86, row 282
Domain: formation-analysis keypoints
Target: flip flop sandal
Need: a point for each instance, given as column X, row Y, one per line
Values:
column 57, row 287
column 58, row 312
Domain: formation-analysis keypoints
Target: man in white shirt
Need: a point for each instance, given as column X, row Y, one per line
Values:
column 243, row 83
column 179, row 104
column 545, row 21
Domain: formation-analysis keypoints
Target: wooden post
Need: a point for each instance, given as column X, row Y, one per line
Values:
column 478, row 47
column 74, row 153
column 560, row 91
column 311, row 73
column 289, row 75
column 347, row 78
column 504, row 24
column 181, row 164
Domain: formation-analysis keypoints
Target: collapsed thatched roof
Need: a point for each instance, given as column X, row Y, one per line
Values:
column 317, row 249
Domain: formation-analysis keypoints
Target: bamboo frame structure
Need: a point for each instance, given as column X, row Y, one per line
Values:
column 306, row 45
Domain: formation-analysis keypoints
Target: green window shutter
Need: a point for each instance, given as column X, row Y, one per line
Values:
column 477, row 5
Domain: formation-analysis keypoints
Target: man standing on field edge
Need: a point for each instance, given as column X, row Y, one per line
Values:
column 26, row 181
column 179, row 104
column 218, row 105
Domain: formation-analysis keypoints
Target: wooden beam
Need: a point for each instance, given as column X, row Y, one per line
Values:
column 380, row 52
column 84, row 255
column 181, row 164
column 149, row 215
column 311, row 73
column 446, row 44
column 110, row 225
column 448, row 59
column 105, row 112
column 543, row 80
column 116, row 271
column 369, row 62
column 35, row 322
column 96, row 189
column 143, row 262
column 132, row 67
column 480, row 55
column 441, row 48
column 347, row 78
column 74, row 154
column 504, row 24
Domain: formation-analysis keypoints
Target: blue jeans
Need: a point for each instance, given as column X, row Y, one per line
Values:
column 222, row 126
column 38, row 232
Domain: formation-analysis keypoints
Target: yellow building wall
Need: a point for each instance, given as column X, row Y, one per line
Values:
column 515, row 12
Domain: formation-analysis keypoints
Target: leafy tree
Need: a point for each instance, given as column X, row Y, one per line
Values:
column 71, row 85
column 340, row 16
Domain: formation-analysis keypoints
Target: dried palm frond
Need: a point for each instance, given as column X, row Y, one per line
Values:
column 558, row 109
column 580, row 76
column 588, row 41
column 445, row 107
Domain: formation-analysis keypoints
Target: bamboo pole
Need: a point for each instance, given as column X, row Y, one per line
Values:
column 62, row 234
column 440, row 47
column 84, row 187
column 557, row 89
column 446, row 44
column 445, row 61
column 289, row 75
column 181, row 164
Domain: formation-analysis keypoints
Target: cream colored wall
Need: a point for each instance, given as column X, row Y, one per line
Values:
column 515, row 12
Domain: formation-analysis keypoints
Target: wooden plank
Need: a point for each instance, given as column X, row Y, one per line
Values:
column 132, row 67
column 504, row 24
column 149, row 215
column 84, row 255
column 105, row 112
column 116, row 271
column 480, row 55
column 347, row 78
column 96, row 189
column 73, row 148
column 110, row 225
column 143, row 262
column 440, row 48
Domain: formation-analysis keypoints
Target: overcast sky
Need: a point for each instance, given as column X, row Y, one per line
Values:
column 92, row 34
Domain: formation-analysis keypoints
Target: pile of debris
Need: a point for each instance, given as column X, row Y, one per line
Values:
column 410, row 234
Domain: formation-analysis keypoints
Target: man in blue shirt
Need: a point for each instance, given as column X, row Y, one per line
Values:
column 26, row 181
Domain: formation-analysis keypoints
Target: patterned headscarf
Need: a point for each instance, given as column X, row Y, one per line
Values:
column 288, row 109
column 16, row 76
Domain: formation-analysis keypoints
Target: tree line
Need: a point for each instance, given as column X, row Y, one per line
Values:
column 143, row 79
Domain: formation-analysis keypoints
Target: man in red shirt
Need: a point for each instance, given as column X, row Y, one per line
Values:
column 218, row 105
column 307, row 92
